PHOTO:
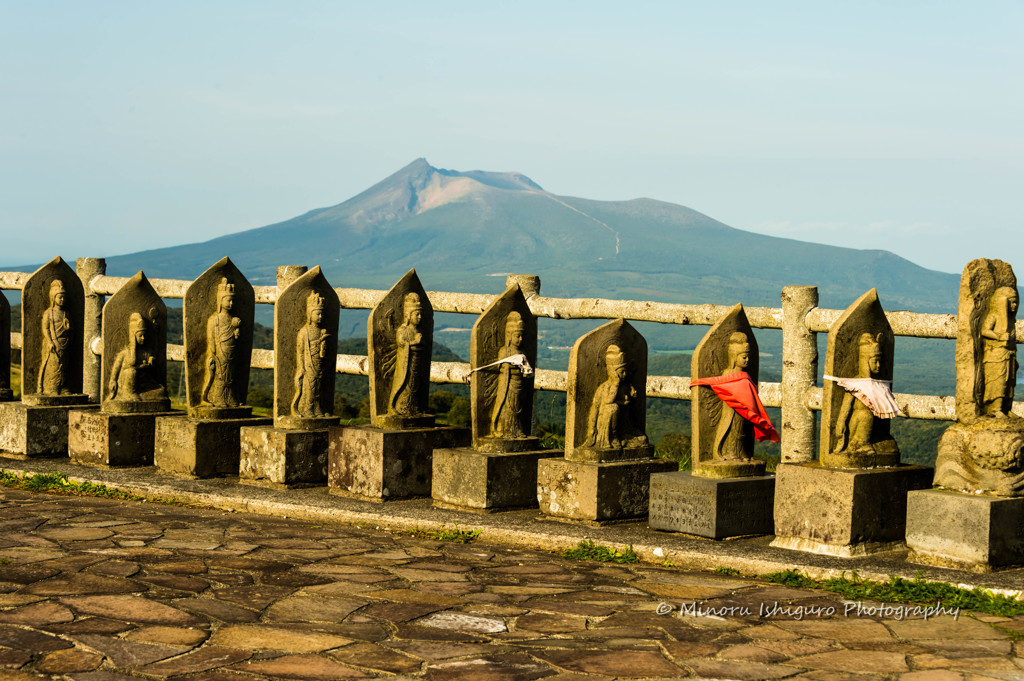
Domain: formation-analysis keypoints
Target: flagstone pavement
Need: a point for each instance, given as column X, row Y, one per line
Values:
column 104, row 590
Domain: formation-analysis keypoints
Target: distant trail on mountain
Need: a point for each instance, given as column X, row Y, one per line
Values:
column 603, row 224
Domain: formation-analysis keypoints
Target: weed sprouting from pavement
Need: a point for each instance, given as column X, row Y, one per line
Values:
column 588, row 550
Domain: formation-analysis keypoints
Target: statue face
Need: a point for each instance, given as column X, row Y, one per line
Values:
column 228, row 301
column 415, row 317
column 58, row 299
column 516, row 339
column 618, row 372
column 874, row 364
column 1012, row 301
column 742, row 360
column 140, row 336
column 316, row 316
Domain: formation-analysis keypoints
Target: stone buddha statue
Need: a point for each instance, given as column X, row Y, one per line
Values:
column 310, row 360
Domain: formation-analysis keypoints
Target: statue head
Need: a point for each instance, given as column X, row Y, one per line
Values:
column 225, row 295
column 739, row 351
column 514, row 328
column 57, row 292
column 869, row 355
column 412, row 309
column 136, row 329
column 615, row 362
column 314, row 308
column 1004, row 299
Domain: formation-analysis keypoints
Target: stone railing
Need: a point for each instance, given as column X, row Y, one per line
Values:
column 799, row 319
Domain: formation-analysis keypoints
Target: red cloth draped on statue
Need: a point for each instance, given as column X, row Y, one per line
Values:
column 740, row 393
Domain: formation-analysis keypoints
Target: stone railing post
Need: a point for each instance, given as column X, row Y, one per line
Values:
column 799, row 373
column 529, row 284
column 92, row 336
column 286, row 274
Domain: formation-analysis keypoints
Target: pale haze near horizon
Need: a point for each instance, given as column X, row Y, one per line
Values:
column 130, row 126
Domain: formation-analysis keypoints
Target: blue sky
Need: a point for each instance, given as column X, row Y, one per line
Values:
column 892, row 125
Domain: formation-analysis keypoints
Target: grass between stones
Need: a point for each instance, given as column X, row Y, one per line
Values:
column 588, row 550
column 901, row 590
column 451, row 534
column 58, row 483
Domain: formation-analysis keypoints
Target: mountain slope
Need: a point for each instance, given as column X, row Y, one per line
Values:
column 458, row 229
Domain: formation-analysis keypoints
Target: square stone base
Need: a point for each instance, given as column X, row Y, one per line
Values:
column 377, row 464
column 843, row 512
column 276, row 457
column 28, row 431
column 712, row 507
column 965, row 531
column 484, row 481
column 200, row 448
column 584, row 491
column 97, row 438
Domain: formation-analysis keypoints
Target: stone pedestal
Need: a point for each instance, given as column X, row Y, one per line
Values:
column 472, row 480
column 596, row 492
column 378, row 465
column 843, row 512
column 965, row 531
column 712, row 507
column 279, row 457
column 99, row 438
column 28, row 431
column 200, row 448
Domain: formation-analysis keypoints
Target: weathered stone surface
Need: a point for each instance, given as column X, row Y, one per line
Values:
column 134, row 365
column 458, row 621
column 860, row 346
column 312, row 609
column 377, row 464
column 218, row 610
column 614, row 663
column 68, row 661
column 740, row 671
column 986, row 456
column 31, row 431
column 373, row 656
column 723, row 441
column 206, row 448
column 953, row 529
column 473, row 479
column 503, row 353
column 37, row 614
column 27, row 639
column 171, row 636
column 596, row 491
column 97, row 438
column 865, row 661
column 128, row 653
column 512, row 667
column 251, row 637
column 400, row 336
column 843, row 512
column 311, row 667
column 82, row 583
column 712, row 507
column 6, row 393
column 606, row 412
column 208, row 657
column 52, row 324
column 218, row 314
column 283, row 457
column 133, row 608
column 305, row 345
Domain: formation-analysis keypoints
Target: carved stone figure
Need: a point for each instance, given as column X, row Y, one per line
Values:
column 56, row 337
column 133, row 375
column 399, row 342
column 409, row 365
column 727, row 412
column 606, row 418
column 857, row 400
column 135, row 349
column 219, row 309
column 53, row 303
column 311, row 359
column 503, row 352
column 305, row 348
column 223, row 332
column 984, row 451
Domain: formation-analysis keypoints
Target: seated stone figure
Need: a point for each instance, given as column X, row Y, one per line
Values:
column 132, row 375
column 609, row 423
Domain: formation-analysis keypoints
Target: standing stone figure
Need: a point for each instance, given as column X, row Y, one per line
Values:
column 507, row 416
column 311, row 350
column 56, row 326
column 408, row 360
column 222, row 337
column 133, row 373
column 733, row 434
column 609, row 423
column 999, row 353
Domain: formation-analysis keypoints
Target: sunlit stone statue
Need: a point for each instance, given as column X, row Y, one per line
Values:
column 311, row 360
column 400, row 336
column 412, row 361
column 984, row 451
column 727, row 412
column 133, row 372
column 609, row 422
column 510, row 415
column 56, row 339
column 6, row 394
column 223, row 332
column 857, row 399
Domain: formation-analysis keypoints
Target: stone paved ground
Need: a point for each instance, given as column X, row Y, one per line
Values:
column 95, row 590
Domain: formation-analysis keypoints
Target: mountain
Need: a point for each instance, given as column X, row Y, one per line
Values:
column 463, row 230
